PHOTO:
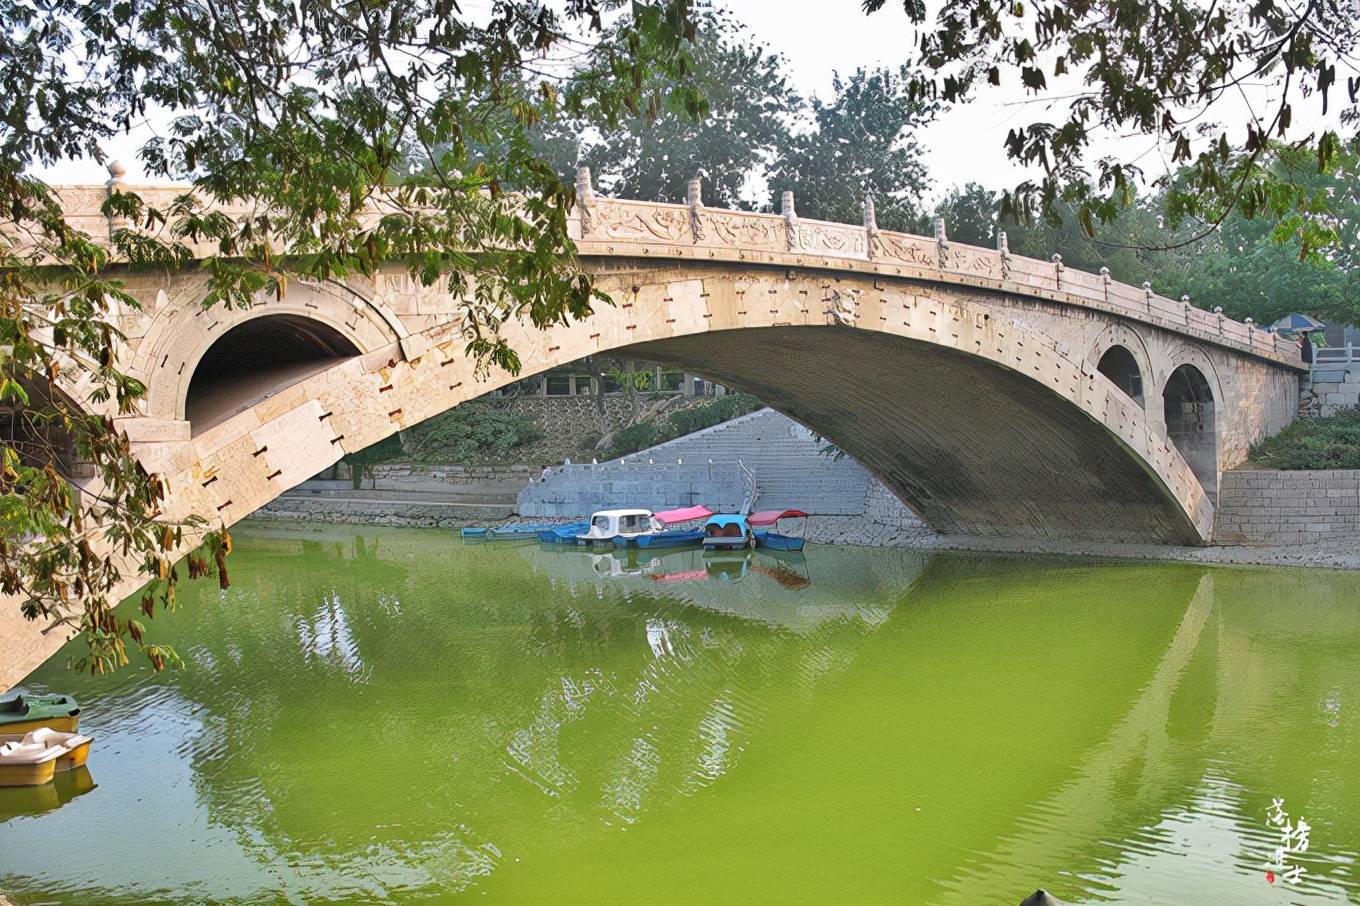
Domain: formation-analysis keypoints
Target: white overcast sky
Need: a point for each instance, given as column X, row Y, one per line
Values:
column 821, row 37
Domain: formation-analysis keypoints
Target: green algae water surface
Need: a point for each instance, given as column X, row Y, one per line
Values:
column 394, row 716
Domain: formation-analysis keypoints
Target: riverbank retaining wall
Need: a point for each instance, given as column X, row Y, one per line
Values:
column 1330, row 389
column 1283, row 508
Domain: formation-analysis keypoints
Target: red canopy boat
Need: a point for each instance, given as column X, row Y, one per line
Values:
column 773, row 539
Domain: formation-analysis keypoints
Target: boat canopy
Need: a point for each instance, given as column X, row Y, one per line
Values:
column 619, row 513
column 770, row 517
column 684, row 514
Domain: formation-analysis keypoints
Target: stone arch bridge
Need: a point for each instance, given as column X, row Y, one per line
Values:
column 995, row 394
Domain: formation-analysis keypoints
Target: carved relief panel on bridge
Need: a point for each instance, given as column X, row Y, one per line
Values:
column 744, row 230
column 906, row 249
column 644, row 223
column 969, row 259
column 831, row 238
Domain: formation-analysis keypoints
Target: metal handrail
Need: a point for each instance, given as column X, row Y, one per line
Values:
column 748, row 479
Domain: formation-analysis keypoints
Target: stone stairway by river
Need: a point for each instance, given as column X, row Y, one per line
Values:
column 790, row 467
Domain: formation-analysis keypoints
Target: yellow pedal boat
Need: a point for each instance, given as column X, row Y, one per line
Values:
column 35, row 758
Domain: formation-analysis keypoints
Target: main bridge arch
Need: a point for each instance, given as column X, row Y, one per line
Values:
column 969, row 405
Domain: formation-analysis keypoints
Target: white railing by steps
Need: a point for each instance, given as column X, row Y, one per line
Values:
column 1335, row 357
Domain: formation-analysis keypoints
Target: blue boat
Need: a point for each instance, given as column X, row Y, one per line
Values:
column 515, row 531
column 670, row 536
column 671, row 539
column 773, row 539
column 727, row 531
column 563, row 534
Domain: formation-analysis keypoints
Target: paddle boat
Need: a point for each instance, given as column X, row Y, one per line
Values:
column 29, row 712
column 727, row 531
column 35, row 757
column 772, row 539
column 618, row 526
column 515, row 531
column 674, row 537
column 563, row 534
column 519, row 531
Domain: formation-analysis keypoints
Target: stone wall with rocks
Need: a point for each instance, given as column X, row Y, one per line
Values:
column 373, row 511
column 573, row 426
column 1331, row 389
column 1286, row 508
column 398, row 474
column 790, row 465
column 885, row 521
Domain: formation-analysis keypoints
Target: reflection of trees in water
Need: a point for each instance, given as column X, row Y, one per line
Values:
column 482, row 675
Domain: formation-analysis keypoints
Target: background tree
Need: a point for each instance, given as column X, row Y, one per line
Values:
column 1167, row 70
column 971, row 213
column 1250, row 267
column 302, row 114
column 861, row 140
column 1258, row 269
column 652, row 157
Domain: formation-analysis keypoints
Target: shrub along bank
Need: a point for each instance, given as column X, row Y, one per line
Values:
column 1314, row 443
column 473, row 433
column 681, row 422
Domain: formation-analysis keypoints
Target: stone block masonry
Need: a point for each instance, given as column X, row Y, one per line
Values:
column 1288, row 508
column 1330, row 390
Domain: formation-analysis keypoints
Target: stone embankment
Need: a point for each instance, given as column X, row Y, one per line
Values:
column 376, row 511
column 1267, row 507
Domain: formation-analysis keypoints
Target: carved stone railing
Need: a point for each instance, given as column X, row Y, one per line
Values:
column 645, row 229
column 607, row 226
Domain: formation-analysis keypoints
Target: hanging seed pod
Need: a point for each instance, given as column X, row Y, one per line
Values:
column 226, row 540
column 222, row 581
column 149, row 605
column 167, row 538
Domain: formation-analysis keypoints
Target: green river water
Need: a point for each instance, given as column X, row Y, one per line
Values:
column 393, row 716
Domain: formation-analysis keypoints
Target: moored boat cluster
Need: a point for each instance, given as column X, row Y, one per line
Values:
column 693, row 526
column 38, row 739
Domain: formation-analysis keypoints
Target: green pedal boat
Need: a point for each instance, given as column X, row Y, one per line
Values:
column 30, row 712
